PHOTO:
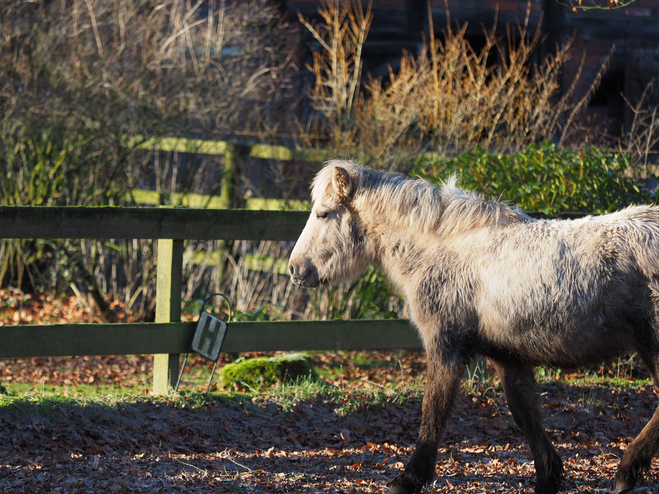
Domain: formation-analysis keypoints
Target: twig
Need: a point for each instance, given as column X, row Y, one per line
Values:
column 239, row 464
column 191, row 465
column 95, row 26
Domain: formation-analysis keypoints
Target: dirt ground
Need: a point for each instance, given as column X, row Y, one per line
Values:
column 257, row 445
column 254, row 446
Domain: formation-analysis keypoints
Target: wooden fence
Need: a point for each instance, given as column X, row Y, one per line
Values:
column 167, row 337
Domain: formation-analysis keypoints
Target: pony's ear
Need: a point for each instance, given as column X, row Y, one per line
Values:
column 342, row 184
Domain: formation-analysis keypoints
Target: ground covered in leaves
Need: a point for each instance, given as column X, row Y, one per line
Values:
column 332, row 441
column 351, row 435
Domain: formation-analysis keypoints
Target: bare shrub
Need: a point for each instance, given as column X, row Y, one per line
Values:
column 641, row 140
column 448, row 99
column 338, row 68
column 84, row 82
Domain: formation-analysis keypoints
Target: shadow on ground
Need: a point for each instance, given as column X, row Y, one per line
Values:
column 246, row 445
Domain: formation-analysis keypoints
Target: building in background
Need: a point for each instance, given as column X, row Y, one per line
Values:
column 628, row 37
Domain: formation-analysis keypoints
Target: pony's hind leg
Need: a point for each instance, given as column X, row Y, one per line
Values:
column 441, row 388
column 520, row 388
column 638, row 455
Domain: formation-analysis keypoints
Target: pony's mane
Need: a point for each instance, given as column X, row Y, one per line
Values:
column 415, row 203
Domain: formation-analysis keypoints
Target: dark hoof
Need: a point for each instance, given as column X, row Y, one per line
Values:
column 552, row 481
column 405, row 484
column 549, row 488
column 626, row 478
column 624, row 486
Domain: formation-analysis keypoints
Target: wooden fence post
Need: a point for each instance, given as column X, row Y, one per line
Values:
column 234, row 160
column 168, row 309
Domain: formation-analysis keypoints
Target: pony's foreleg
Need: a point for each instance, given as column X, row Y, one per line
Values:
column 441, row 387
column 520, row 388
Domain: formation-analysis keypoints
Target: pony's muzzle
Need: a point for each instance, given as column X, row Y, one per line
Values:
column 303, row 272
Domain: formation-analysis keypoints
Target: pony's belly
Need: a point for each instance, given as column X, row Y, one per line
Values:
column 567, row 346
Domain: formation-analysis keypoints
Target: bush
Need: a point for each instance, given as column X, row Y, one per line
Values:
column 449, row 98
column 545, row 178
column 83, row 84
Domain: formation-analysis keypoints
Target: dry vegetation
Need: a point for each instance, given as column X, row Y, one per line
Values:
column 83, row 82
column 448, row 99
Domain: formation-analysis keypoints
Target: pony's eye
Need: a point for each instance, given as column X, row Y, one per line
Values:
column 321, row 215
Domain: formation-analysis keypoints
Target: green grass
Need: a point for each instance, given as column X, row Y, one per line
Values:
column 43, row 400
column 611, row 381
column 78, row 391
column 45, row 403
column 343, row 401
column 347, row 400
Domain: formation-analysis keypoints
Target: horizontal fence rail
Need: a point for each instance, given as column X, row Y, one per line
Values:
column 167, row 337
column 154, row 223
column 175, row 338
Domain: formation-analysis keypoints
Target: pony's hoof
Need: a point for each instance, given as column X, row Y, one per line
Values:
column 551, row 486
column 404, row 484
column 623, row 486
column 626, row 479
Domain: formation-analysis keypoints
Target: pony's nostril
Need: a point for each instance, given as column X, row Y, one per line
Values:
column 302, row 271
column 297, row 271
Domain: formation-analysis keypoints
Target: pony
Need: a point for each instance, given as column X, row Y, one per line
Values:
column 483, row 278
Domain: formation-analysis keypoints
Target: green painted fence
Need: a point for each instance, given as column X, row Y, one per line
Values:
column 168, row 337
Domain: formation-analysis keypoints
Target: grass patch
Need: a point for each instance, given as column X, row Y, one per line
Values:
column 609, row 381
column 45, row 400
column 347, row 400
column 78, row 391
column 46, row 403
column 343, row 401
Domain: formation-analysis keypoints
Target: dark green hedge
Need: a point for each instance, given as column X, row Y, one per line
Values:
column 545, row 178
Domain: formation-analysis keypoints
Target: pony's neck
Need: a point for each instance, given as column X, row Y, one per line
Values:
column 395, row 243
column 413, row 217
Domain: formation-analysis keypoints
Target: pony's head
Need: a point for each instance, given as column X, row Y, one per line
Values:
column 331, row 248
